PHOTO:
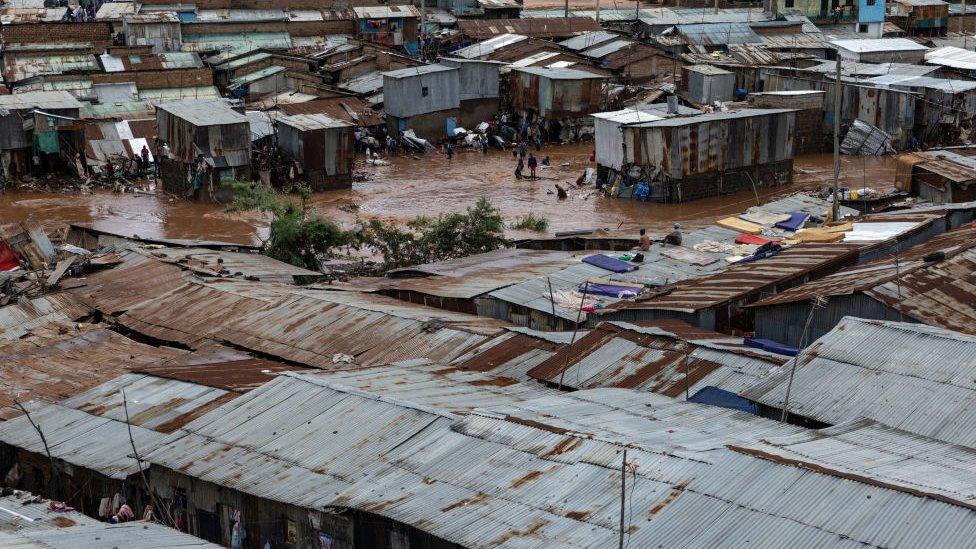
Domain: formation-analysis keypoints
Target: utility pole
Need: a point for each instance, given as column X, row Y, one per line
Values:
column 835, row 211
column 423, row 27
column 566, row 11
column 623, row 495
column 597, row 12
column 716, row 6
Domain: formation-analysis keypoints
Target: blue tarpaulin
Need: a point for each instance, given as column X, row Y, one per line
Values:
column 611, row 264
column 610, row 290
column 796, row 220
column 724, row 399
column 771, row 346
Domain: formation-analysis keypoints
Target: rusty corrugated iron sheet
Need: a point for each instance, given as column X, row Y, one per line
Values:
column 668, row 357
column 137, row 280
column 555, row 27
column 939, row 292
column 59, row 360
column 745, row 280
column 239, row 376
column 859, row 278
column 341, row 108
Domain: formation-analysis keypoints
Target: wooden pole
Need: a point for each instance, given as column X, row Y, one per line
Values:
column 623, row 496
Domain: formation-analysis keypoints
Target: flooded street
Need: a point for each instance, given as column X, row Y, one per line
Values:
column 430, row 185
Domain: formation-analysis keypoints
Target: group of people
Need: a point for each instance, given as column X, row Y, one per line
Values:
column 673, row 238
column 85, row 11
column 520, row 151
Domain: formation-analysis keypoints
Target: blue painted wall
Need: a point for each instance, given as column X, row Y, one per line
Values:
column 867, row 13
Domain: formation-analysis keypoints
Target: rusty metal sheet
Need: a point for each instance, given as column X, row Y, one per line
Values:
column 482, row 29
column 882, row 272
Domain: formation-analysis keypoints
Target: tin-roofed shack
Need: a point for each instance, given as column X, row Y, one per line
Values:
column 392, row 26
column 424, row 99
column 808, row 136
column 690, row 157
column 323, row 146
column 208, row 139
column 562, row 97
column 478, row 89
column 930, row 283
column 921, row 17
column 159, row 29
column 707, row 84
column 881, row 50
column 45, row 122
column 940, row 176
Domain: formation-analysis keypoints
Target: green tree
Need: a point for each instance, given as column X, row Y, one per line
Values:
column 296, row 236
column 478, row 230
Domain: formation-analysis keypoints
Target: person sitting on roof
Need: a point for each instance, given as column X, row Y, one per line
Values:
column 674, row 237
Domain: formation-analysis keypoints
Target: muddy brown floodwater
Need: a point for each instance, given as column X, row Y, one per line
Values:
column 429, row 185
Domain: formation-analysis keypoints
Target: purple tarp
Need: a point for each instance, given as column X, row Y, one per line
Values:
column 611, row 264
column 609, row 290
column 796, row 220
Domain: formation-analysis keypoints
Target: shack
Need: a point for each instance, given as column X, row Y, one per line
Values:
column 210, row 144
column 478, row 89
column 562, row 97
column 690, row 157
column 930, row 283
column 159, row 29
column 940, row 176
column 921, row 17
column 45, row 122
column 323, row 147
column 424, row 99
column 707, row 84
column 881, row 50
column 392, row 26
column 809, row 135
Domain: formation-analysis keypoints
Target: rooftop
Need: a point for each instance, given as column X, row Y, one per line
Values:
column 418, row 71
column 203, row 112
column 311, row 122
column 870, row 45
column 558, row 73
column 39, row 100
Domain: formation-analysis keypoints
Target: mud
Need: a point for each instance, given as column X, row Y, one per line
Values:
column 430, row 185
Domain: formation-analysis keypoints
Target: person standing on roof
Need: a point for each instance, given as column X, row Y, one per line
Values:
column 645, row 241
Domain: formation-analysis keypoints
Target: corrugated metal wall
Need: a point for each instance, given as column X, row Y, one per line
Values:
column 404, row 97
column 784, row 323
column 477, row 80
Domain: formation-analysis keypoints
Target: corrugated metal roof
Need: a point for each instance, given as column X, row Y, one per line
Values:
column 161, row 61
column 158, row 95
column 237, row 373
column 657, row 268
column 513, row 354
column 558, row 74
column 113, row 11
column 869, row 45
column 869, row 449
column 668, row 357
column 20, row 66
column 201, row 112
column 604, row 50
column 60, row 359
column 350, row 109
column 151, row 17
column 31, row 15
column 418, row 70
column 236, row 42
column 481, row 29
column 588, row 40
column 871, row 69
column 709, row 117
column 938, row 292
column 475, row 275
column 909, row 376
column 241, row 15
column 368, row 83
column 743, row 280
column 489, row 46
column 155, row 403
column 79, row 438
column 260, row 74
column 951, row 56
column 309, row 122
column 386, row 12
column 19, row 318
column 72, row 530
column 716, row 34
column 915, row 83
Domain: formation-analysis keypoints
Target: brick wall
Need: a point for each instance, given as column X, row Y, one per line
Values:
column 149, row 80
column 99, row 34
column 295, row 28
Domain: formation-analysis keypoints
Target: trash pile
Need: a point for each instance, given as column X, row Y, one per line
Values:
column 31, row 264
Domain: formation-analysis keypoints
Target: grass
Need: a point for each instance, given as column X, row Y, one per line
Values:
column 530, row 222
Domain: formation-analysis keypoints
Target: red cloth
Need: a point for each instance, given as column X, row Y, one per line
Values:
column 752, row 239
column 8, row 259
